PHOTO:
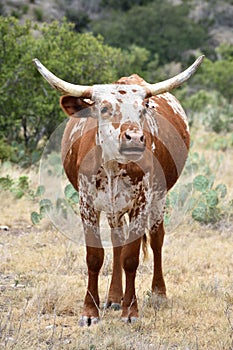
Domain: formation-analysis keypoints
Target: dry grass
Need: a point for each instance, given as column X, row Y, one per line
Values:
column 43, row 278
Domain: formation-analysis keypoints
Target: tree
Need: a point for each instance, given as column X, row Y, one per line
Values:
column 133, row 60
column 160, row 27
column 123, row 5
column 29, row 108
column 217, row 75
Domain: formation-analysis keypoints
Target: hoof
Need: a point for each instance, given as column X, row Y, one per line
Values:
column 88, row 321
column 113, row 306
column 131, row 319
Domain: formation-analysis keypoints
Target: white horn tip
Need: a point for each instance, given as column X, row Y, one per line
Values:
column 39, row 66
column 200, row 59
column 36, row 62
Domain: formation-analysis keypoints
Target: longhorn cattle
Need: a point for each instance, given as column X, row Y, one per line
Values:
column 123, row 148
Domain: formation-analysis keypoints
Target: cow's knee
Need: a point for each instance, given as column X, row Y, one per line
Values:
column 130, row 264
column 95, row 261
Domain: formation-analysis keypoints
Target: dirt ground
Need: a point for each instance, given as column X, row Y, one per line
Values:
column 43, row 278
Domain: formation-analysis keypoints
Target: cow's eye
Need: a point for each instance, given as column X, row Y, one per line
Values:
column 104, row 110
column 147, row 105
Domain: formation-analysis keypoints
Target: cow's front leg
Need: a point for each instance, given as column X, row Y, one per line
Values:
column 94, row 258
column 130, row 261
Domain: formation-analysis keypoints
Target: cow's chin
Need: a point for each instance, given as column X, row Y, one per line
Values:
column 133, row 154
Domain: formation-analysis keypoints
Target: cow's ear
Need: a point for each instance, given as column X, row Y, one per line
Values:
column 77, row 107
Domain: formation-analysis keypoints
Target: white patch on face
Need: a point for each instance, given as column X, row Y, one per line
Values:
column 109, row 141
column 126, row 101
column 175, row 105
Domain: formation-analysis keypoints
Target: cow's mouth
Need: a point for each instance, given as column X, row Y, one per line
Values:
column 132, row 153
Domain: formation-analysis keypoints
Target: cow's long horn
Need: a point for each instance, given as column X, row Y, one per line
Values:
column 61, row 85
column 172, row 83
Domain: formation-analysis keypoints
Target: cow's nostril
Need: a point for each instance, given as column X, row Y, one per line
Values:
column 127, row 136
column 142, row 138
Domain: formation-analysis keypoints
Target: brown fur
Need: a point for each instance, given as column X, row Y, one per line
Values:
column 81, row 156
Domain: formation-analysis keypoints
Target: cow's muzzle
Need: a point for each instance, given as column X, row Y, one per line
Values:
column 132, row 144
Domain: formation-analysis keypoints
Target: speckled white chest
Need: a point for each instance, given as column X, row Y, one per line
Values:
column 114, row 194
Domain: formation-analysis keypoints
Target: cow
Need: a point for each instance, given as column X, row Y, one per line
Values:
column 123, row 148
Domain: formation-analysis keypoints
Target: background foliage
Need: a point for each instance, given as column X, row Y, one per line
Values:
column 29, row 108
column 159, row 27
column 99, row 42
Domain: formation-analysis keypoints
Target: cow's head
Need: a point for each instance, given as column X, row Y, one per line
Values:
column 120, row 112
column 121, row 109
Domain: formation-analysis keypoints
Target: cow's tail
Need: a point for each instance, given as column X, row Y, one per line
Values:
column 145, row 246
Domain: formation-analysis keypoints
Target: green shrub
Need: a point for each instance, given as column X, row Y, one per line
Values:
column 6, row 151
column 206, row 205
column 19, row 187
column 25, row 8
column 199, row 197
column 217, row 75
column 70, row 199
column 38, row 13
column 17, row 14
column 211, row 110
column 6, row 183
column 220, row 142
column 79, row 18
column 220, row 118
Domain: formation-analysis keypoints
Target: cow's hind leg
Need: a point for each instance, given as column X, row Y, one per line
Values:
column 156, row 242
column 130, row 261
column 115, row 293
